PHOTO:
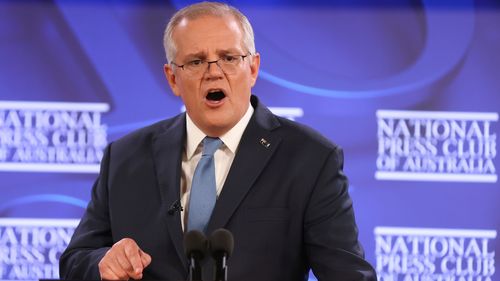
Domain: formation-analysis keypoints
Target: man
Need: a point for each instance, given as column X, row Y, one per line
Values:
column 280, row 186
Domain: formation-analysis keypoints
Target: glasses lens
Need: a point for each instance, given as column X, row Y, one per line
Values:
column 228, row 68
column 195, row 69
column 230, row 64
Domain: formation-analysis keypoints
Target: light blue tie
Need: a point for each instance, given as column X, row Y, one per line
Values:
column 203, row 187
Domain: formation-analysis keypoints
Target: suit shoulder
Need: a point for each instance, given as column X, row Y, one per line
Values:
column 302, row 134
column 145, row 135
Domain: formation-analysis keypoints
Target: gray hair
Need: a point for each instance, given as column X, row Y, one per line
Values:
column 207, row 9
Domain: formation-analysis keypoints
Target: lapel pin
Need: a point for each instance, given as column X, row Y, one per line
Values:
column 265, row 143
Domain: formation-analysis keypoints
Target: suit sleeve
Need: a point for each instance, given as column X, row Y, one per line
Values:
column 330, row 231
column 92, row 238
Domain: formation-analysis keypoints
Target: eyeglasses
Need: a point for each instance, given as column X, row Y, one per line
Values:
column 228, row 64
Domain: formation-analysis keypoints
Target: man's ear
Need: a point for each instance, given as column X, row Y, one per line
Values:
column 254, row 67
column 171, row 78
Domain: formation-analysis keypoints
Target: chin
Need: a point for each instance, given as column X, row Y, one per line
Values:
column 219, row 127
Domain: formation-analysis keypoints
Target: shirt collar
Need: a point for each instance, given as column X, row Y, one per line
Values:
column 231, row 138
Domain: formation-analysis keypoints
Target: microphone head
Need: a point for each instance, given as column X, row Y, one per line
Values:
column 221, row 243
column 195, row 244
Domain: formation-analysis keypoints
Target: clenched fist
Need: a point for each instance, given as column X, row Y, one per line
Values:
column 124, row 261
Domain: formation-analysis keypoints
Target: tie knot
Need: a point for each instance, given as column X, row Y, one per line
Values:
column 210, row 145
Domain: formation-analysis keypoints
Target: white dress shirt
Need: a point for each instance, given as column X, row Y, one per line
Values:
column 223, row 157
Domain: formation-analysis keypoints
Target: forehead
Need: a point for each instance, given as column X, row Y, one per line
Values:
column 207, row 34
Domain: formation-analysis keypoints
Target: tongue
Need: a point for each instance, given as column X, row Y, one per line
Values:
column 215, row 96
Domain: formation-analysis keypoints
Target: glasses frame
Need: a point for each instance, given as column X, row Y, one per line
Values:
column 214, row 61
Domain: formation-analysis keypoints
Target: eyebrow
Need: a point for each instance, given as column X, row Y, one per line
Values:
column 203, row 55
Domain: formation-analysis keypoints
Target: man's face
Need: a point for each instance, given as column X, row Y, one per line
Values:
column 209, row 38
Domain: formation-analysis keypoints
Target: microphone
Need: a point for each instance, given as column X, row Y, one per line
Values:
column 175, row 207
column 221, row 248
column 195, row 248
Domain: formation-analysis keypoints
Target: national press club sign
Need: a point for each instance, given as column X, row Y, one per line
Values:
column 51, row 136
column 431, row 254
column 30, row 248
column 436, row 146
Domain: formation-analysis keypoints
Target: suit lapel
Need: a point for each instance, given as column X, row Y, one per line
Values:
column 256, row 147
column 167, row 154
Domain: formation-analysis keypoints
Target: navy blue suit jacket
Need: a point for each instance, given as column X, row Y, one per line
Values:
column 287, row 206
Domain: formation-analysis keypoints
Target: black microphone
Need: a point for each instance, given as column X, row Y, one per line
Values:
column 221, row 248
column 175, row 207
column 195, row 248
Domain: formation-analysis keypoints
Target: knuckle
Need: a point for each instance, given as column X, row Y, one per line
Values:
column 123, row 242
column 128, row 244
column 127, row 241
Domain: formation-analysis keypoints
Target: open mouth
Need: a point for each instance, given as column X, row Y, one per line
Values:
column 215, row 95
